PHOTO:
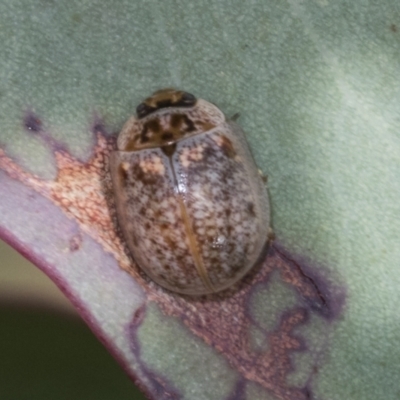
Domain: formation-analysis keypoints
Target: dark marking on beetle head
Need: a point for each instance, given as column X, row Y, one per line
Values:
column 150, row 129
column 166, row 136
column 184, row 118
column 32, row 122
column 157, row 133
column 144, row 138
column 143, row 109
column 153, row 125
column 176, row 120
column 182, row 122
column 165, row 98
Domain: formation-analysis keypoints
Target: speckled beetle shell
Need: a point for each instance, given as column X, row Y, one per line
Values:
column 190, row 200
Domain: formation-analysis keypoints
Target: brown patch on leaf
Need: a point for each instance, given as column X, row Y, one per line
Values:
column 83, row 191
column 75, row 242
column 223, row 321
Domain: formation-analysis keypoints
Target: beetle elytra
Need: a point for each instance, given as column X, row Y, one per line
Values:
column 190, row 201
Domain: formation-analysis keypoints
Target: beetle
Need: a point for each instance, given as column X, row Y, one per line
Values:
column 190, row 200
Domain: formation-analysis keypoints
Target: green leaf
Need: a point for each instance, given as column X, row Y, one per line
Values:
column 316, row 84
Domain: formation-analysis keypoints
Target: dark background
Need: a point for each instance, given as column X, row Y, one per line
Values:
column 46, row 351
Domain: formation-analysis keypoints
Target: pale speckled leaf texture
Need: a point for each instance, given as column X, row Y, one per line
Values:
column 316, row 83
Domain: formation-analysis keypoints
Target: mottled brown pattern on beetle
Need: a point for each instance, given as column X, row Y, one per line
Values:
column 218, row 194
column 83, row 192
column 227, row 147
column 153, row 224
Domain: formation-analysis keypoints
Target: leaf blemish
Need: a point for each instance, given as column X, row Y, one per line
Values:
column 75, row 242
column 32, row 122
column 83, row 191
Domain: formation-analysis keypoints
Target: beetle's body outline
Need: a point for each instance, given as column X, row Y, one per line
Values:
column 190, row 201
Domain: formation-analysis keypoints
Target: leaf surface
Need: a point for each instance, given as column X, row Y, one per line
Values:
column 316, row 84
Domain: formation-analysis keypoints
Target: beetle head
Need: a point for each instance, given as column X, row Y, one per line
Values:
column 165, row 98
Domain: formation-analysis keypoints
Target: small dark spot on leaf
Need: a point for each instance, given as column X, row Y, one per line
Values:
column 75, row 242
column 393, row 28
column 139, row 315
column 32, row 122
column 98, row 126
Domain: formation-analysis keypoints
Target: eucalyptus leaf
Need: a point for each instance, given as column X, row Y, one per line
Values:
column 316, row 85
